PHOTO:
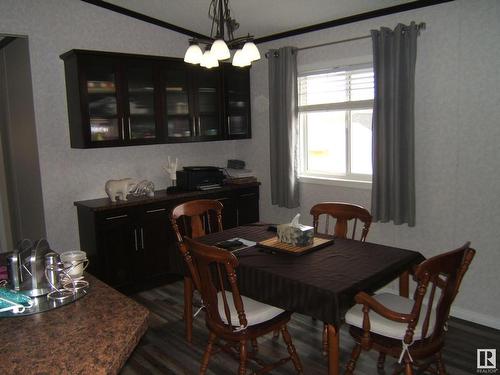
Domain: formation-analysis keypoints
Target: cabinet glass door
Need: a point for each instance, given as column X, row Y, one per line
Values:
column 208, row 103
column 237, row 110
column 237, row 125
column 237, row 81
column 102, row 102
column 141, row 120
column 177, row 103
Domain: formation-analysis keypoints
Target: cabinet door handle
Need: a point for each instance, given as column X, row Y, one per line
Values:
column 135, row 239
column 116, row 217
column 247, row 195
column 228, row 125
column 142, row 239
column 123, row 128
column 194, row 125
column 129, row 128
column 157, row 210
column 199, row 126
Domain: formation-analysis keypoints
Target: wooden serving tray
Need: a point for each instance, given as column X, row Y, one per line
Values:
column 275, row 244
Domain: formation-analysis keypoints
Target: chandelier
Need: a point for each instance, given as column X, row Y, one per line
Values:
column 217, row 47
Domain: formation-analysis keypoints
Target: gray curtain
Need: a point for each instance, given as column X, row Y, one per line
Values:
column 283, row 126
column 393, row 186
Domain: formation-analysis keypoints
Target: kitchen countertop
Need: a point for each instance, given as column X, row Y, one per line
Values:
column 93, row 335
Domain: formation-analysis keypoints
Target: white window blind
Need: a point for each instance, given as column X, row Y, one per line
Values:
column 335, row 109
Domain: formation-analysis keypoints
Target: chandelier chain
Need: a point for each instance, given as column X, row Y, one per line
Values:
column 221, row 40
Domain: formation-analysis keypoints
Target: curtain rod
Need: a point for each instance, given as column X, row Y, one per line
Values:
column 420, row 26
column 336, row 42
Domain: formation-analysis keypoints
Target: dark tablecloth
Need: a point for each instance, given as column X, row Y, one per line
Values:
column 322, row 283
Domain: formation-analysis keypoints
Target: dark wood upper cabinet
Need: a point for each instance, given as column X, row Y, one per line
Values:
column 192, row 102
column 208, row 99
column 142, row 119
column 111, row 100
column 237, row 101
column 122, row 100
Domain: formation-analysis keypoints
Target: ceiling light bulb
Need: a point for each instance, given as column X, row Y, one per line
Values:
column 208, row 60
column 237, row 58
column 213, row 62
column 240, row 59
column 193, row 54
column 205, row 59
column 251, row 51
column 219, row 50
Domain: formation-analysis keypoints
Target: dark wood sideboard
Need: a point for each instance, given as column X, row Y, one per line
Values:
column 131, row 244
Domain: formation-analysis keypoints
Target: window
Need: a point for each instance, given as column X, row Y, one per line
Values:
column 335, row 120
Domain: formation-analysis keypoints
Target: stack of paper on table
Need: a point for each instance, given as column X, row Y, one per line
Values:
column 240, row 176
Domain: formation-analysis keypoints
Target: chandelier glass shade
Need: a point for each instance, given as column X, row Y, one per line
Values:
column 220, row 50
column 193, row 54
column 221, row 41
column 208, row 60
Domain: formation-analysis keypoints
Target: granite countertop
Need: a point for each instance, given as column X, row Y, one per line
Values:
column 93, row 335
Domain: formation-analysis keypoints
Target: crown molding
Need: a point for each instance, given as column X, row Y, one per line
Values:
column 351, row 19
column 143, row 17
column 307, row 29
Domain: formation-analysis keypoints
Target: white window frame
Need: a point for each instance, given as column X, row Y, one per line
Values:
column 349, row 179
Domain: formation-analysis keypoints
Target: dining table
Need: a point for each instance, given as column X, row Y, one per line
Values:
column 321, row 283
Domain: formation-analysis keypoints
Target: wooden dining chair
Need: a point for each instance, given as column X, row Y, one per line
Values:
column 194, row 219
column 410, row 330
column 342, row 213
column 229, row 316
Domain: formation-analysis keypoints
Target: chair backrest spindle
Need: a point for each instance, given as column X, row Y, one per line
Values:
column 444, row 272
column 208, row 261
column 198, row 218
column 193, row 219
column 342, row 212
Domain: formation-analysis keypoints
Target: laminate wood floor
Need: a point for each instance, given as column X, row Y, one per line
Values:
column 164, row 350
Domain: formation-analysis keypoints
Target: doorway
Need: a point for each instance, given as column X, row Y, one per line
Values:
column 21, row 200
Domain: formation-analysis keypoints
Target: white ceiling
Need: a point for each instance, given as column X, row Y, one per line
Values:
column 256, row 17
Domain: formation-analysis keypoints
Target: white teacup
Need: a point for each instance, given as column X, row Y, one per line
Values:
column 74, row 262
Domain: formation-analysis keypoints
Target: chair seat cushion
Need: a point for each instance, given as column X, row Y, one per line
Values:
column 255, row 312
column 387, row 327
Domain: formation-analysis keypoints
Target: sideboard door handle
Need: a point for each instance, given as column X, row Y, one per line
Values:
column 142, row 239
column 116, row 217
column 157, row 210
column 135, row 239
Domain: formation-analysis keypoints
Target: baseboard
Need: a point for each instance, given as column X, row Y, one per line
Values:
column 475, row 317
column 461, row 313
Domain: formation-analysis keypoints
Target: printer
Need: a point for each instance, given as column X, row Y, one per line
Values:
column 199, row 178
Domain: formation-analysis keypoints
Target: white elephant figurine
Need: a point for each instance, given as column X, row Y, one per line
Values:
column 119, row 188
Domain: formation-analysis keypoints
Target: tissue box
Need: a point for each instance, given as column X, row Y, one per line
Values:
column 302, row 235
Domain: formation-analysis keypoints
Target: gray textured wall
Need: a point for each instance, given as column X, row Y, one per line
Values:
column 54, row 27
column 457, row 108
